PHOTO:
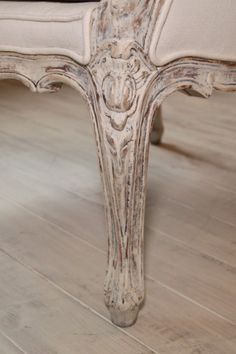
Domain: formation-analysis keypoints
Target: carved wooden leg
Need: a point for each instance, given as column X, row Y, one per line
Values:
column 123, row 167
column 158, row 128
column 122, row 126
column 124, row 178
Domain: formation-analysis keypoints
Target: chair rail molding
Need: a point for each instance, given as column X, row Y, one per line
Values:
column 124, row 90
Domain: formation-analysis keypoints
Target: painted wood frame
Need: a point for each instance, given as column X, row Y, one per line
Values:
column 124, row 91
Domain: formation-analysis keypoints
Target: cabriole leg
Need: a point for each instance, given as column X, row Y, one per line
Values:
column 123, row 162
column 124, row 177
column 122, row 126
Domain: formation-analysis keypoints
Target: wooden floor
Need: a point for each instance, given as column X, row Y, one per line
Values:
column 52, row 230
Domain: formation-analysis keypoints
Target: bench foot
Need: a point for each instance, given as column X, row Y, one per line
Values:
column 124, row 318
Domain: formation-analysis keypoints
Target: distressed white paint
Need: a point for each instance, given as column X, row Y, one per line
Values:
column 124, row 90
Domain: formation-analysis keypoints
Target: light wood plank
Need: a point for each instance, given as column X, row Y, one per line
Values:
column 205, row 234
column 200, row 137
column 58, row 131
column 169, row 323
column 44, row 320
column 167, row 260
column 190, row 235
column 8, row 346
column 203, row 230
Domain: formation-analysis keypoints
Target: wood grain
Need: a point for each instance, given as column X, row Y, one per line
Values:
column 50, row 187
column 36, row 315
column 8, row 346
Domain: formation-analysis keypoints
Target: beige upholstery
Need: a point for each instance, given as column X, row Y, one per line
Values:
column 199, row 28
column 46, row 28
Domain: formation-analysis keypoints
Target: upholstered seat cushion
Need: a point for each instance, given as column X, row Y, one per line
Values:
column 46, row 28
column 199, row 28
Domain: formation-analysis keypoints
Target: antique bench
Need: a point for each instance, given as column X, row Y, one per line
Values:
column 125, row 57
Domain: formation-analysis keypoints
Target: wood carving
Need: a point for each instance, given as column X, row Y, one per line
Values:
column 124, row 90
column 122, row 74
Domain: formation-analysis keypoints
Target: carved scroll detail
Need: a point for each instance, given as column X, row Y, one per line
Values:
column 44, row 73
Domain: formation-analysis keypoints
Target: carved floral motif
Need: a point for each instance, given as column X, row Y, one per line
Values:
column 119, row 91
column 120, row 81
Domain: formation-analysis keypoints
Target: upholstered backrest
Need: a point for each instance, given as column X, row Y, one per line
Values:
column 199, row 28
